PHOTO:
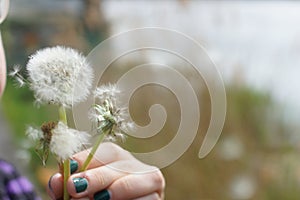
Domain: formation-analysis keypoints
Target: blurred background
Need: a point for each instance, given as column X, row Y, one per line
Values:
column 255, row 45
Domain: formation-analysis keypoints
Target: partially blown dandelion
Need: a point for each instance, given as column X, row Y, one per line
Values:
column 112, row 121
column 58, row 139
column 109, row 114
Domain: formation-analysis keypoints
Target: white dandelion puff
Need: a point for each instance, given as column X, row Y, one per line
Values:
column 59, row 75
column 58, row 139
column 66, row 141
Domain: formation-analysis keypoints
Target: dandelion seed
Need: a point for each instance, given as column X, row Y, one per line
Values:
column 19, row 79
column 15, row 71
column 19, row 82
column 59, row 75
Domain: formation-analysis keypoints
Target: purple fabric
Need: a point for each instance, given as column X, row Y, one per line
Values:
column 13, row 186
column 25, row 184
column 6, row 168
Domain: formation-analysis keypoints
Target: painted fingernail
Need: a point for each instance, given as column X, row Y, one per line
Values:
column 80, row 184
column 102, row 195
column 73, row 166
column 51, row 193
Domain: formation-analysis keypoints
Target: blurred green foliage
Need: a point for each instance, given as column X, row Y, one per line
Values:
column 20, row 110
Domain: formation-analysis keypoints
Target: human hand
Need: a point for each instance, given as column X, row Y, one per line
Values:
column 112, row 174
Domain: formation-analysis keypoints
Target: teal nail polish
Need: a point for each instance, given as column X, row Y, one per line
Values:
column 80, row 184
column 73, row 166
column 102, row 195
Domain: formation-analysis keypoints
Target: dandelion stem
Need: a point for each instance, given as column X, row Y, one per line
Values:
column 66, row 167
column 86, row 163
column 66, row 163
column 62, row 115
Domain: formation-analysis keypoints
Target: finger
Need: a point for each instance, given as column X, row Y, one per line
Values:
column 137, row 185
column 97, row 179
column 55, row 186
column 91, row 181
column 153, row 196
column 106, row 153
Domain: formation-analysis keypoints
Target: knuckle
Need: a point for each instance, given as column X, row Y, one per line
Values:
column 97, row 179
column 100, row 179
column 126, row 185
column 159, row 180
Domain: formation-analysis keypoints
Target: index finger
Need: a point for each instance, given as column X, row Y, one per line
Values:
column 106, row 153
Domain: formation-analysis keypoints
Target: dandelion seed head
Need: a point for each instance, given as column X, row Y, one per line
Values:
column 66, row 141
column 59, row 75
column 109, row 115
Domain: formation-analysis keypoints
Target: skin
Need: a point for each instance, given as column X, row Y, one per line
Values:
column 2, row 68
column 114, row 169
column 3, row 13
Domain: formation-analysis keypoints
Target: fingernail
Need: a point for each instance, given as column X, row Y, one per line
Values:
column 102, row 195
column 80, row 184
column 73, row 166
column 50, row 188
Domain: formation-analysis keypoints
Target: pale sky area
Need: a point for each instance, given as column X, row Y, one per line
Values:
column 260, row 41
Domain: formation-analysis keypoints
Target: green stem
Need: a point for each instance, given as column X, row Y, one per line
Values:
column 66, row 176
column 94, row 149
column 66, row 163
column 62, row 115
